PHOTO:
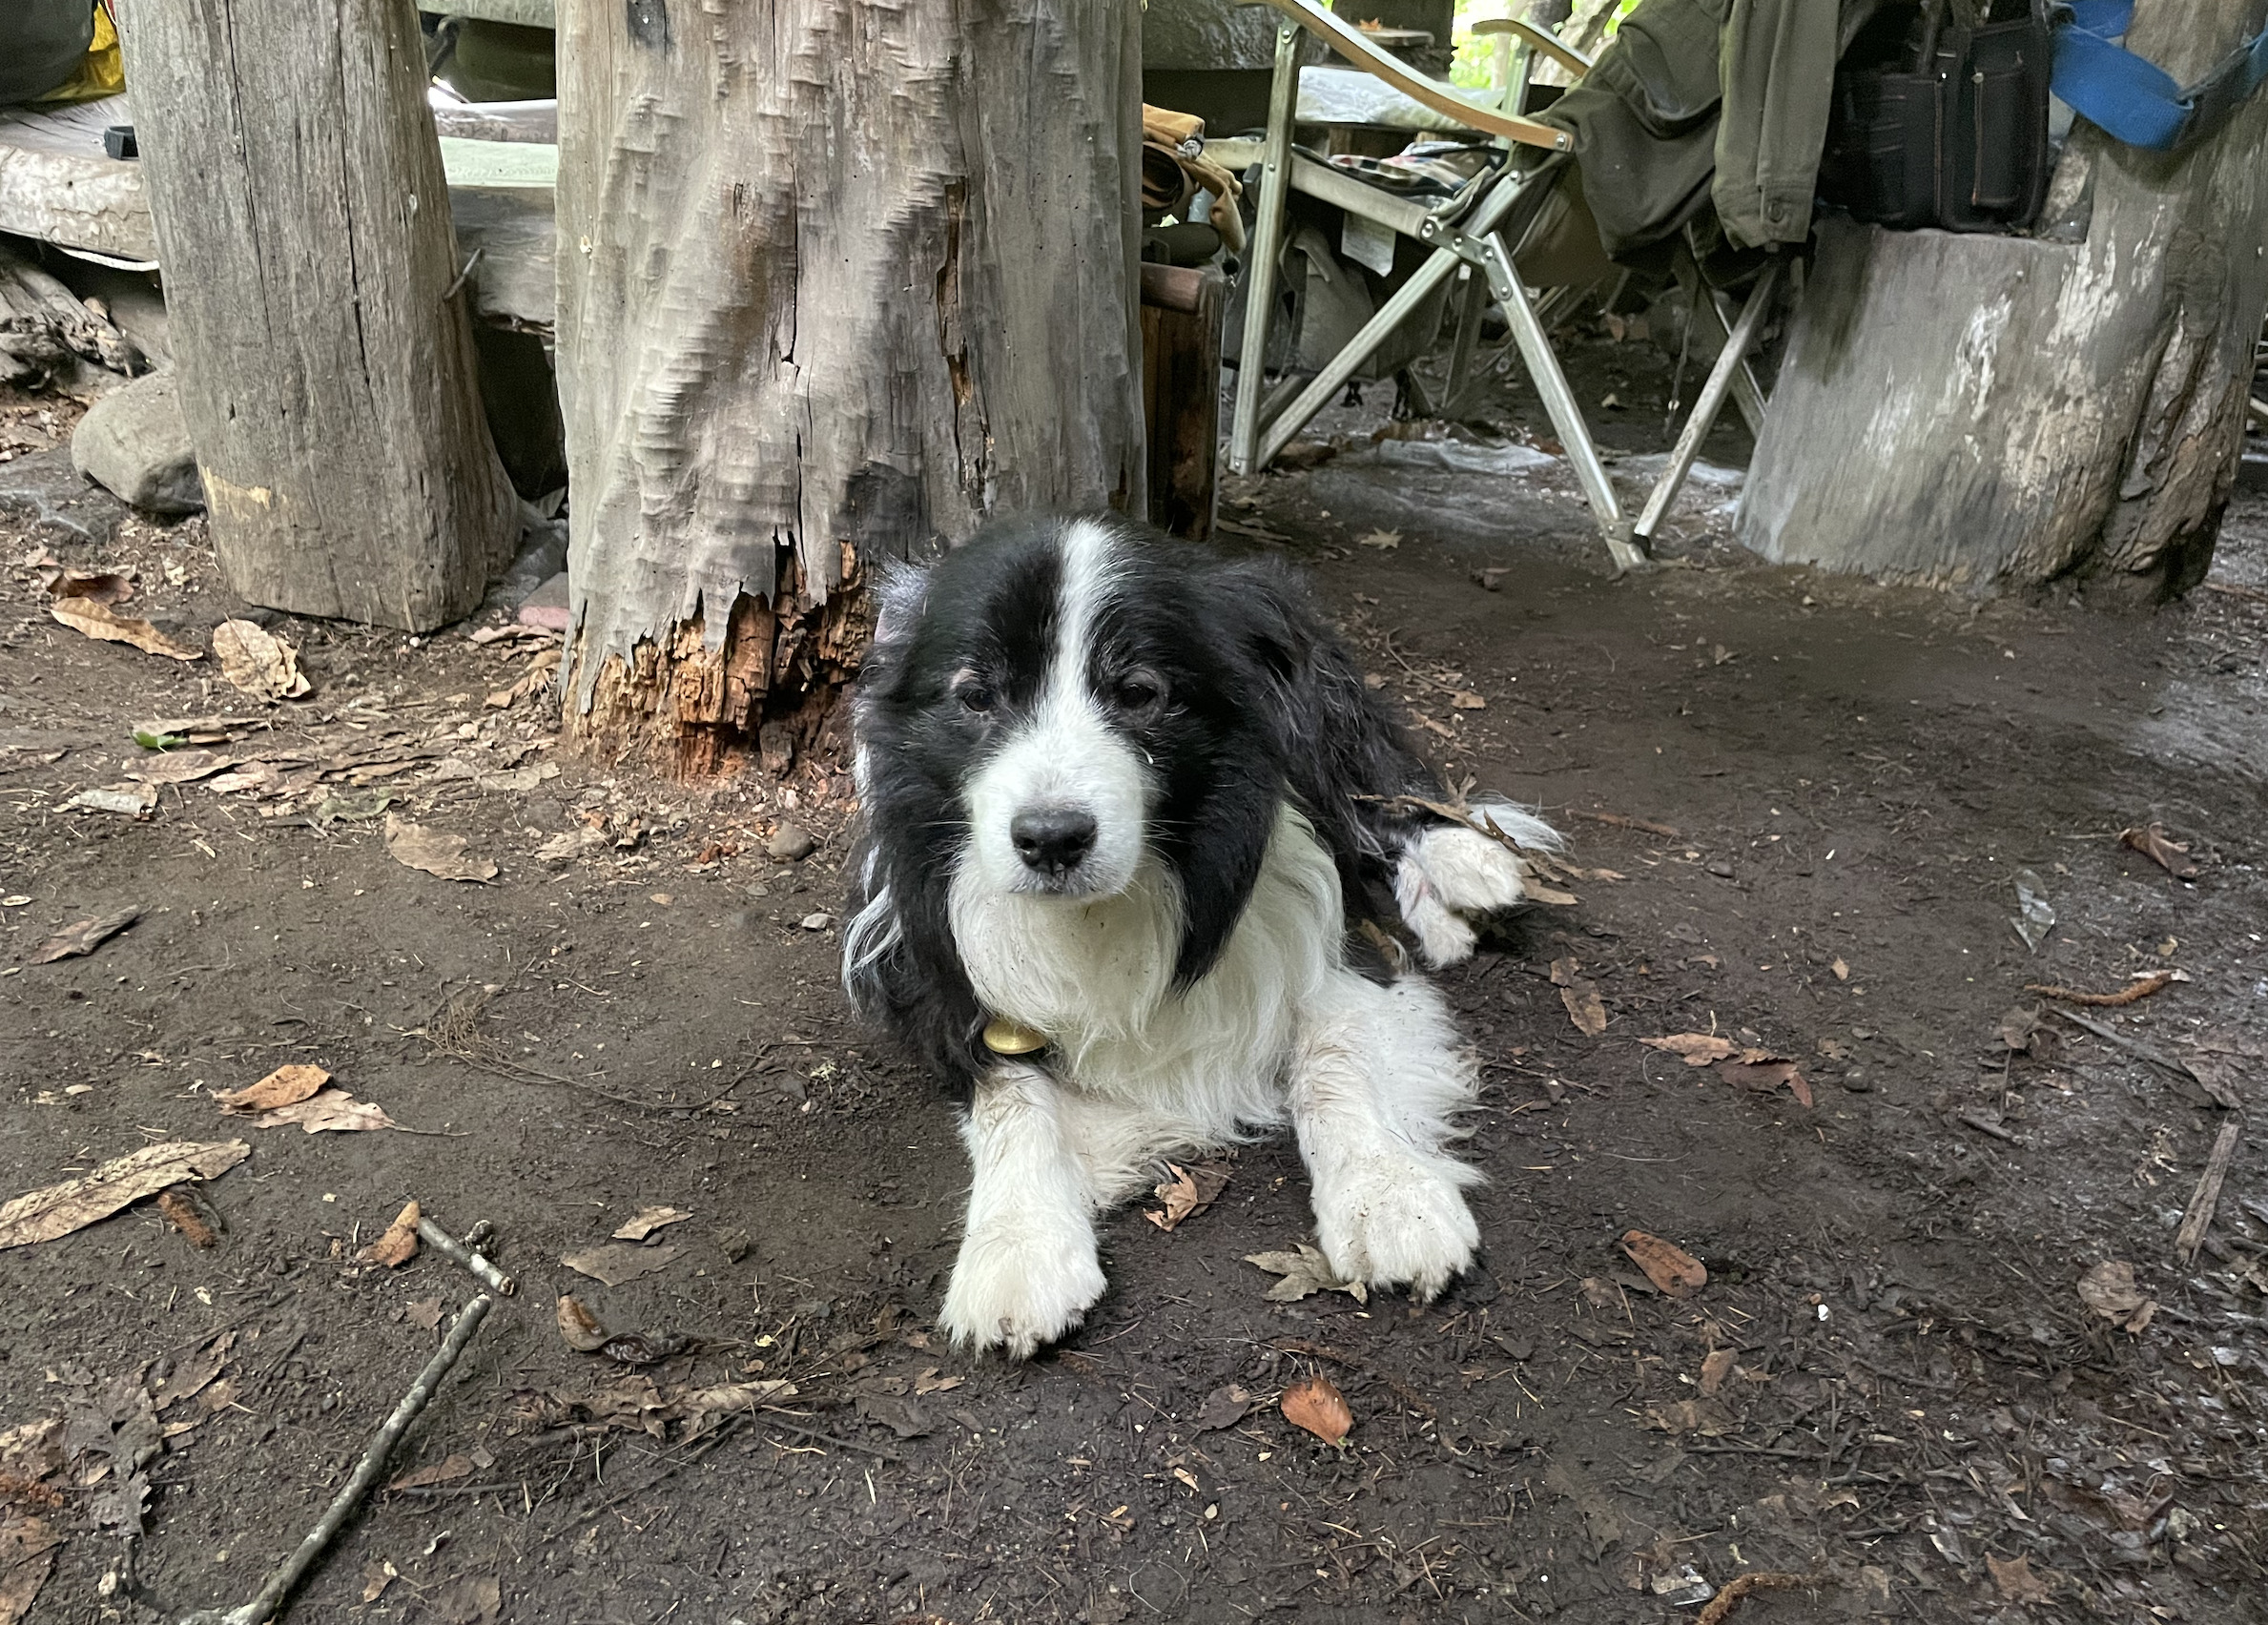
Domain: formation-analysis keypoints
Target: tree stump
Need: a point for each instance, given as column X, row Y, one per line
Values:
column 317, row 315
column 835, row 279
column 2000, row 411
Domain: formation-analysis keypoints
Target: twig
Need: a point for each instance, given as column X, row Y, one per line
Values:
column 458, row 1253
column 264, row 1606
column 1985, row 1125
column 2134, row 1047
column 829, row 1438
column 1761, row 1580
column 1620, row 822
column 2233, row 590
column 2133, row 993
column 2203, row 1201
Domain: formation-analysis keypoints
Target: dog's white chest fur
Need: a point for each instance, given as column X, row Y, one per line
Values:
column 1151, row 1067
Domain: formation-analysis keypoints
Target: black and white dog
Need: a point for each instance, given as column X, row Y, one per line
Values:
column 1123, row 797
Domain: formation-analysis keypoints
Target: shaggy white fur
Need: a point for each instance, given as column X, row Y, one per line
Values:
column 1448, row 872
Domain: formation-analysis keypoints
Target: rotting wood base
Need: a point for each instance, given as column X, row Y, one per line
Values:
column 769, row 689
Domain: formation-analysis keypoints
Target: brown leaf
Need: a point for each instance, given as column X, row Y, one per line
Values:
column 447, row 1472
column 286, row 1086
column 376, row 1578
column 257, row 662
column 400, row 1243
column 647, row 1220
column 1761, row 1072
column 1697, row 1049
column 2152, row 842
column 1716, row 1367
column 196, row 1372
column 579, row 1329
column 1189, row 1192
column 424, row 1313
column 1584, row 1008
column 84, row 935
column 176, row 767
column 1465, row 699
column 929, row 1382
column 98, row 620
column 1224, row 1407
column 57, row 1210
column 1305, row 1272
column 2110, row 1292
column 334, row 1110
column 103, row 586
column 2014, row 1580
column 1676, row 1272
column 1319, row 1408
column 616, row 1262
column 435, row 852
column 27, row 1557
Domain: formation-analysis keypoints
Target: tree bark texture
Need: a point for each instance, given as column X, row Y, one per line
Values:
column 836, row 278
column 318, row 317
column 1991, row 410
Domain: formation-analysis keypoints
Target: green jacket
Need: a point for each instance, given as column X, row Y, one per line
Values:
column 1708, row 101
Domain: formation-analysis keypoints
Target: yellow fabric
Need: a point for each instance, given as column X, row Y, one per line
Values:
column 101, row 72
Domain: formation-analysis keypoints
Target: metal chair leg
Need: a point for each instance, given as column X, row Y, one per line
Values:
column 1326, row 384
column 1473, row 301
column 1730, row 361
column 1267, row 250
column 1559, row 401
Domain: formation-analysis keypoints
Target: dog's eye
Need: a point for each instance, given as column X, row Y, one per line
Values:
column 972, row 695
column 1138, row 691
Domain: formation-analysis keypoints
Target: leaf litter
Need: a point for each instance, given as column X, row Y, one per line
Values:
column 259, row 663
column 1674, row 1271
column 435, row 852
column 84, row 935
column 647, row 1220
column 1581, row 995
column 1305, row 1272
column 1188, row 1193
column 57, row 1210
column 2152, row 842
column 1316, row 1405
column 399, row 1244
column 2110, row 1292
column 94, row 619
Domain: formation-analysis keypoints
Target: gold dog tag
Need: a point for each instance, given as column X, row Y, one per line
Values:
column 1003, row 1037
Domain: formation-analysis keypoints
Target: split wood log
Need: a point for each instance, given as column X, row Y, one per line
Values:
column 1977, row 410
column 2197, row 1218
column 835, row 282
column 328, row 371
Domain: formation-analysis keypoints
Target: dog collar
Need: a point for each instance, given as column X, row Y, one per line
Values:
column 1003, row 1037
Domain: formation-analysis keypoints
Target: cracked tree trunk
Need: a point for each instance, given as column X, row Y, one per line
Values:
column 837, row 278
column 317, row 315
column 1988, row 411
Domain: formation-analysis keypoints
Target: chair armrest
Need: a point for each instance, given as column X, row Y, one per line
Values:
column 1537, row 39
column 1350, row 43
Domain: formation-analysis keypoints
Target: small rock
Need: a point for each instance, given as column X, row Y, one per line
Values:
column 791, row 843
column 817, row 921
column 134, row 442
column 735, row 1245
column 546, row 607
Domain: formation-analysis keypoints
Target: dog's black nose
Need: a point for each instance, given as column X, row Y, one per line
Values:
column 1053, row 839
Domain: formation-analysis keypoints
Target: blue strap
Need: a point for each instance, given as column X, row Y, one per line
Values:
column 2135, row 100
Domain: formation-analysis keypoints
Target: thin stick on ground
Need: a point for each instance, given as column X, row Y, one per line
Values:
column 462, row 1256
column 1621, row 822
column 2135, row 991
column 2199, row 1219
column 1725, row 1600
column 368, row 1471
column 2219, row 1091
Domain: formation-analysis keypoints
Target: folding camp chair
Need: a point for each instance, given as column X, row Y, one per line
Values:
column 1480, row 231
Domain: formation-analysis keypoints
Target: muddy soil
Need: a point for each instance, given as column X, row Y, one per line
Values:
column 1798, row 807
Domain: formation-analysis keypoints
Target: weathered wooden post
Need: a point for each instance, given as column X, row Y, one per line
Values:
column 2009, row 410
column 318, row 315
column 835, row 278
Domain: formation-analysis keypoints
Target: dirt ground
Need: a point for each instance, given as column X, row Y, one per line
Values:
column 1798, row 807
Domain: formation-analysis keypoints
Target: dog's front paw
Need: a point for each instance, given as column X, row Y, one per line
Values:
column 1448, row 875
column 1017, row 1287
column 1398, row 1222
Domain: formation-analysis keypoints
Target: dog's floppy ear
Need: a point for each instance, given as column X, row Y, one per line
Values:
column 1269, row 621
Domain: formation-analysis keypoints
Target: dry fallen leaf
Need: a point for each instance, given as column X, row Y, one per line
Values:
column 1319, row 1408
column 1697, row 1049
column 57, row 1210
column 1385, row 541
column 2110, row 1290
column 424, row 1313
column 1224, row 1407
column 84, row 935
column 647, row 1220
column 176, row 767
column 1305, row 1272
column 435, row 852
column 104, row 586
column 260, row 664
column 1761, row 1072
column 617, row 1262
column 1584, row 1007
column 578, row 1327
column 132, row 799
column 929, row 1382
column 1189, row 1192
column 1716, row 1367
column 446, row 1472
column 376, row 1578
column 1676, row 1272
column 2152, row 842
column 98, row 620
column 27, row 1557
column 400, row 1243
column 1465, row 699
column 2014, row 1580
column 194, row 1373
column 332, row 1110
column 286, row 1086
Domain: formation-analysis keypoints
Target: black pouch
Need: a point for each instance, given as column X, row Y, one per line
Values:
column 1940, row 119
